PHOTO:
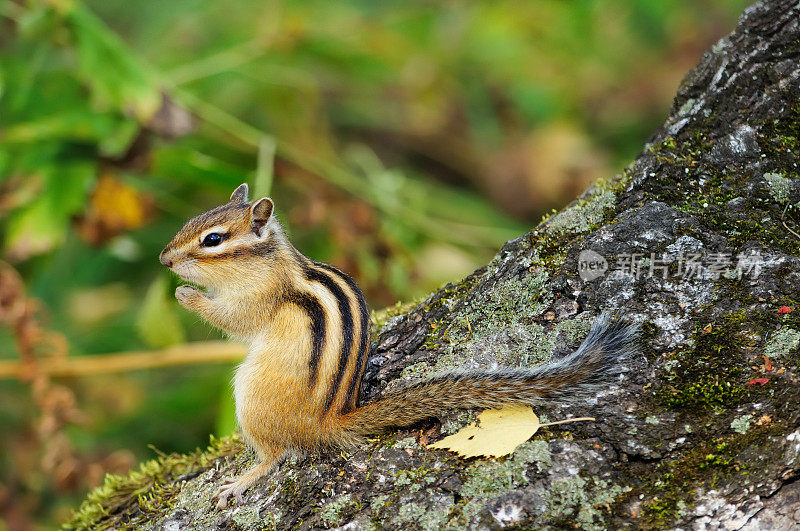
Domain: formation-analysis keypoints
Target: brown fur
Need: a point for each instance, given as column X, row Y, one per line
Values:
column 307, row 328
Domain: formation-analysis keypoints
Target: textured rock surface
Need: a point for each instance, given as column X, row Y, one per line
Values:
column 686, row 440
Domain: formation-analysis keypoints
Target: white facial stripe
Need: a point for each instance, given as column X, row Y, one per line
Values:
column 224, row 246
column 248, row 239
column 221, row 229
column 245, row 240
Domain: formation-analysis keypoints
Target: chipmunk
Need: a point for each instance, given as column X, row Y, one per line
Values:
column 307, row 327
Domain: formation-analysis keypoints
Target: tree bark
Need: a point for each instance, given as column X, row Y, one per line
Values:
column 701, row 248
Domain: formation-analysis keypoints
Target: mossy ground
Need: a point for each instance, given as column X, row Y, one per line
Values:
column 151, row 489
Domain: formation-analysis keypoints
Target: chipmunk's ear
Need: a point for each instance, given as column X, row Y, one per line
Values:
column 260, row 213
column 240, row 194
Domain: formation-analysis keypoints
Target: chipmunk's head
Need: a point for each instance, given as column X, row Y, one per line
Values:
column 218, row 248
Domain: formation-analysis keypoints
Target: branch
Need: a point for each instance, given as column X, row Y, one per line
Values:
column 188, row 354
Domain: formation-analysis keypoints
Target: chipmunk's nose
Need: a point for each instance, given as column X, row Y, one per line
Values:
column 165, row 259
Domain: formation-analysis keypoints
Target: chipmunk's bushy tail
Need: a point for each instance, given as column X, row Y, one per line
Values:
column 599, row 358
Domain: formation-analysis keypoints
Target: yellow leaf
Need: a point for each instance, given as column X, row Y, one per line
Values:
column 499, row 432
column 117, row 204
column 115, row 207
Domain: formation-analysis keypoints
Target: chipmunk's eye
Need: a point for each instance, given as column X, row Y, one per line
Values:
column 212, row 240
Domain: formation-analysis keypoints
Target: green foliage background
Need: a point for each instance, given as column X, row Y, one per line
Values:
column 402, row 141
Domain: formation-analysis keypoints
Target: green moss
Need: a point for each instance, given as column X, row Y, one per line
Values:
column 152, row 487
column 742, row 424
column 714, row 374
column 719, row 457
column 779, row 141
column 615, row 184
column 507, row 308
column 712, row 462
column 707, row 390
column 779, row 186
column 248, row 517
column 380, row 317
column 551, row 246
column 783, row 342
column 583, row 216
column 694, row 183
column 591, row 497
column 340, row 510
column 450, row 293
column 710, row 204
column 569, row 500
column 707, row 375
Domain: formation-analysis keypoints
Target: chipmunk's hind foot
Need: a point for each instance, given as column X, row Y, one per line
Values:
column 236, row 486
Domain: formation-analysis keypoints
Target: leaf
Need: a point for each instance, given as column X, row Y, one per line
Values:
column 499, row 432
column 33, row 230
column 115, row 207
column 262, row 184
column 43, row 223
column 75, row 125
column 117, row 77
column 182, row 162
column 158, row 322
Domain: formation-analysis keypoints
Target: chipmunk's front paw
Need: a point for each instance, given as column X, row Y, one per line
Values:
column 188, row 296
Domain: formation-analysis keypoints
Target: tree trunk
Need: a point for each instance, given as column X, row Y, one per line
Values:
column 696, row 241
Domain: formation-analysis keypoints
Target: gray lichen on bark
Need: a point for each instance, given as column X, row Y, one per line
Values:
column 689, row 438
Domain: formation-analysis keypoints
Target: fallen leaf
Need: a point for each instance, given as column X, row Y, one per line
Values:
column 767, row 363
column 499, row 432
column 425, row 436
column 784, row 310
column 759, row 381
column 765, row 419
